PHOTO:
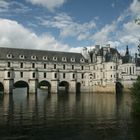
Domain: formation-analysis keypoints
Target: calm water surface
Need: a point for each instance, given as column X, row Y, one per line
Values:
column 85, row 116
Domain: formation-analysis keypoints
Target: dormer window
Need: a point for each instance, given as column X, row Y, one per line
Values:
column 64, row 59
column 33, row 57
column 72, row 59
column 82, row 60
column 55, row 58
column 21, row 56
column 9, row 55
column 45, row 58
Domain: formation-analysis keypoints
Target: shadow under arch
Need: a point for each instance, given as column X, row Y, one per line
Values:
column 1, row 87
column 45, row 85
column 78, row 87
column 21, row 84
column 119, row 88
column 63, row 87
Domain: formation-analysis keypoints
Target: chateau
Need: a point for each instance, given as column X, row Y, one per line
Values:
column 96, row 70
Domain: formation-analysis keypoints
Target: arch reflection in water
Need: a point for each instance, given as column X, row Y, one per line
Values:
column 45, row 85
column 21, row 84
column 63, row 87
column 53, row 116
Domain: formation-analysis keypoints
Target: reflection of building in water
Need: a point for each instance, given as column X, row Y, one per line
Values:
column 95, row 70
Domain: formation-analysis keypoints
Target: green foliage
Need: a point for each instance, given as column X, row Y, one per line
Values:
column 136, row 96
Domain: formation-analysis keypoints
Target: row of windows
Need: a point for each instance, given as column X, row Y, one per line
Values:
column 130, row 70
column 45, row 75
column 111, row 67
column 64, row 59
column 45, row 66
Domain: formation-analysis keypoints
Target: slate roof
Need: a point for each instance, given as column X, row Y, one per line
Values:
column 137, row 62
column 113, row 51
column 109, row 55
column 39, row 55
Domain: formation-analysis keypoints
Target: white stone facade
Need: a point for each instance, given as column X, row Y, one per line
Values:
column 94, row 71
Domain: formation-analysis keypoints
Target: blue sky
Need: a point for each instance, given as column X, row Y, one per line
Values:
column 69, row 25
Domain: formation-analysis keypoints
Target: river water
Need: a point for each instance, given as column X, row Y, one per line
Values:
column 85, row 116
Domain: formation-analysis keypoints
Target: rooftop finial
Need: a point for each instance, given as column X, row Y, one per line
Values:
column 127, row 50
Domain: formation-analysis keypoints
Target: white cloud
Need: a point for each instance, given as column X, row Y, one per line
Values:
column 124, row 31
column 49, row 4
column 4, row 5
column 16, row 36
column 10, row 7
column 135, row 7
column 103, row 35
column 68, row 27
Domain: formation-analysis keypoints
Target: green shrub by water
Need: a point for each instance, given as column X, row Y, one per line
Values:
column 136, row 96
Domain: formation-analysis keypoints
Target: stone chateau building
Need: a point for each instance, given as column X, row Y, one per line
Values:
column 95, row 70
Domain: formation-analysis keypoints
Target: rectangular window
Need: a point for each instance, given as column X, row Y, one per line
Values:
column 55, row 75
column 44, row 74
column 54, row 66
column 21, row 74
column 44, row 66
column 64, row 67
column 64, row 75
column 82, row 75
column 94, row 76
column 103, row 75
column 33, row 74
column 82, row 67
column 73, row 76
column 8, row 74
column 133, row 70
column 72, row 67
column 21, row 65
column 8, row 64
column 33, row 65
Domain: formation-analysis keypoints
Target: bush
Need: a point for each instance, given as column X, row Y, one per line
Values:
column 136, row 96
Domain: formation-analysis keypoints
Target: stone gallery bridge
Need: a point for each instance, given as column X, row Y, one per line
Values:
column 35, row 69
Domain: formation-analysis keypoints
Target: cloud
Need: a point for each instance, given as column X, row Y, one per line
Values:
column 49, row 4
column 15, row 35
column 135, row 7
column 123, row 31
column 10, row 7
column 4, row 5
column 68, row 27
column 103, row 35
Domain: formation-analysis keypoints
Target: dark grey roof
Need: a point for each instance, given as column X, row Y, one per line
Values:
column 39, row 55
column 126, row 59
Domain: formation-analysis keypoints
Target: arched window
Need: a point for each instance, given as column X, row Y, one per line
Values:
column 21, row 56
column 72, row 59
column 64, row 59
column 9, row 55
column 55, row 58
column 33, row 57
column 45, row 58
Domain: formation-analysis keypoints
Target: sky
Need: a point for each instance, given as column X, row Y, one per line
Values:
column 69, row 25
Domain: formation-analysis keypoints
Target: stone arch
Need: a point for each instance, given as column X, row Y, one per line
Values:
column 63, row 86
column 119, row 87
column 21, row 84
column 1, row 87
column 78, row 87
column 45, row 85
